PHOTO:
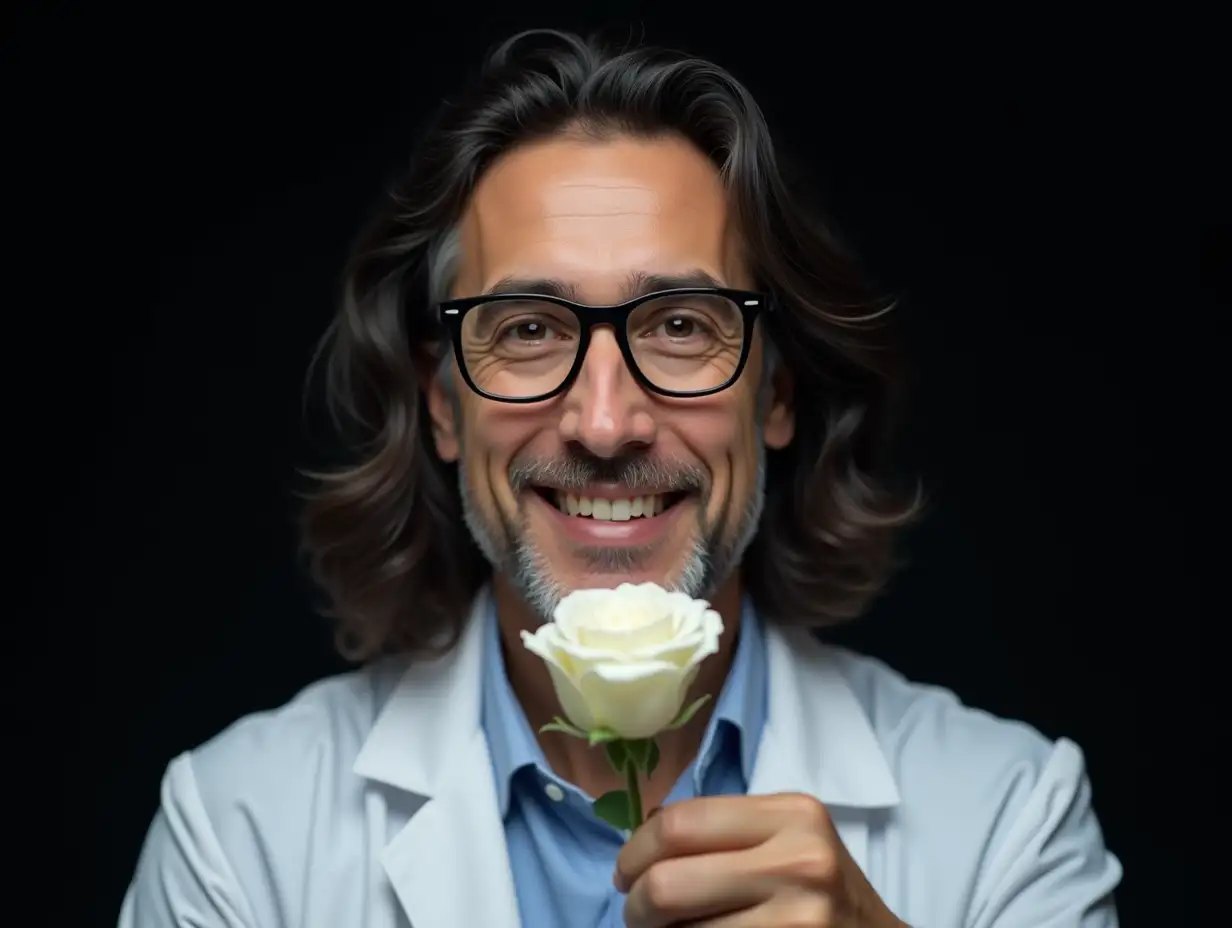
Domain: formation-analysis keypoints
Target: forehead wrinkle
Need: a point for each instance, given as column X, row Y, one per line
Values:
column 519, row 212
column 598, row 215
column 597, row 199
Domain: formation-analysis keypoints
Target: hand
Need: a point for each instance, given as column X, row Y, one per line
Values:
column 745, row 862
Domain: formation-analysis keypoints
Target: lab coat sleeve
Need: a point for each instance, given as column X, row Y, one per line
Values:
column 183, row 877
column 1049, row 868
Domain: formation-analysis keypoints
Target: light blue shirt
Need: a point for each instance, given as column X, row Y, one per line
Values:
column 561, row 854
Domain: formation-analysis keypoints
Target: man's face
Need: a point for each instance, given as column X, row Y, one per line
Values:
column 662, row 490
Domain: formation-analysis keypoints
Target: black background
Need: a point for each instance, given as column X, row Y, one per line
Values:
column 202, row 176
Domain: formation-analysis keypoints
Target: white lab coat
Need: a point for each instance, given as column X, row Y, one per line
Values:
column 368, row 802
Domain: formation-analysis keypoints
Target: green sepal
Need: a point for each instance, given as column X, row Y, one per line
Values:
column 652, row 758
column 687, row 713
column 640, row 752
column 602, row 736
column 617, row 754
column 564, row 727
column 643, row 753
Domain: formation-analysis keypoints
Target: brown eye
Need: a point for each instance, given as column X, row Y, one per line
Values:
column 679, row 327
column 530, row 331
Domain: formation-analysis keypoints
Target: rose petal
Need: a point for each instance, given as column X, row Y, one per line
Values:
column 588, row 655
column 572, row 700
column 634, row 700
column 654, row 631
column 576, row 606
column 539, row 641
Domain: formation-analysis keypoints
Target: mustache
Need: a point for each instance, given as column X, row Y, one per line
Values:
column 579, row 470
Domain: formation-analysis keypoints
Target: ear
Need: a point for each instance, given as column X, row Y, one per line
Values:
column 440, row 392
column 779, row 419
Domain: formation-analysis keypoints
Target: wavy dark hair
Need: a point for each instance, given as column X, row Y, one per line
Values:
column 384, row 534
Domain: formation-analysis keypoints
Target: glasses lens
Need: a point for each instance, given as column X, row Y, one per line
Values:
column 515, row 349
column 519, row 348
column 687, row 343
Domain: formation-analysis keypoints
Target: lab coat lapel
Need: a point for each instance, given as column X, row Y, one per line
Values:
column 818, row 739
column 448, row 865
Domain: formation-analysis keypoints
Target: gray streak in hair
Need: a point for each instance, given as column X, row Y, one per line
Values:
column 443, row 256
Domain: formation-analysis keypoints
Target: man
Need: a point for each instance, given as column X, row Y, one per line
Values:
column 595, row 338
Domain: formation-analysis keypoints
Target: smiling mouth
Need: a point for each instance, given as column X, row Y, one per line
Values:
column 603, row 509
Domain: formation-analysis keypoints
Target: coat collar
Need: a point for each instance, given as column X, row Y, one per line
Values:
column 818, row 738
column 448, row 866
column 431, row 715
column 427, row 741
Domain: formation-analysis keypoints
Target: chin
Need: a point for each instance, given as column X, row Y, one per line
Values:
column 542, row 587
column 607, row 568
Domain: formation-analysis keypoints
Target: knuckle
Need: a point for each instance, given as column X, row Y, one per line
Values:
column 659, row 889
column 822, row 866
column 803, row 860
column 673, row 828
column 812, row 866
column 809, row 811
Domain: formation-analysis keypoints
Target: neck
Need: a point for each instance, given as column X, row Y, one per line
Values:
column 571, row 758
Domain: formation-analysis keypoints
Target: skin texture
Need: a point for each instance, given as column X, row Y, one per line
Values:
column 745, row 862
column 595, row 215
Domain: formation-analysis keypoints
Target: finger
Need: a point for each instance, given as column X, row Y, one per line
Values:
column 706, row 825
column 684, row 890
column 796, row 910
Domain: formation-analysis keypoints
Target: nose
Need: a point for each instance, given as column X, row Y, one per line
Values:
column 606, row 410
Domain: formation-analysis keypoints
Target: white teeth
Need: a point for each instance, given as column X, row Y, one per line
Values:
column 610, row 510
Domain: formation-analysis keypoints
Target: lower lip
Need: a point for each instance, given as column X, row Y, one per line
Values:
column 601, row 533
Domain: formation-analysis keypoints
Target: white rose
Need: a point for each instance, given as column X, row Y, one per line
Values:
column 624, row 659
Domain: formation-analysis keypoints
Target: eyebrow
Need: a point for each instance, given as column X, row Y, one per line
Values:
column 636, row 284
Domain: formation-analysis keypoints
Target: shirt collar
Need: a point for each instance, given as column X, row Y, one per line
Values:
column 511, row 742
column 740, row 709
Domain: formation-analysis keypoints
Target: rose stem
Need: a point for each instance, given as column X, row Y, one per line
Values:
column 635, row 797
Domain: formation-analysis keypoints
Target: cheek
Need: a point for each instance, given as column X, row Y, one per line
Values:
column 742, row 459
column 725, row 439
column 492, row 439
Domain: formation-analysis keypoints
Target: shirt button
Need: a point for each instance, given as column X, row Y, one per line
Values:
column 554, row 792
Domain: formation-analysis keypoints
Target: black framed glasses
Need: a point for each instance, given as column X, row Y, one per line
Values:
column 526, row 347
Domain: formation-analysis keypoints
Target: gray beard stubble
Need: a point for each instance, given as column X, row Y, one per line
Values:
column 707, row 565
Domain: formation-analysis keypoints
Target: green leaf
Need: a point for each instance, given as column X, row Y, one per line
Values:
column 564, row 727
column 613, row 808
column 602, row 736
column 617, row 754
column 683, row 718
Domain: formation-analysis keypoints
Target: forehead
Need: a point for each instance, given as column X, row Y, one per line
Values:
column 596, row 214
